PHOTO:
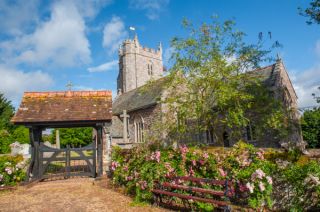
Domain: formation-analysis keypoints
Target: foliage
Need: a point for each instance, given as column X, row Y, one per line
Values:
column 12, row 170
column 312, row 12
column 75, row 137
column 6, row 113
column 247, row 166
column 20, row 134
column 137, row 170
column 317, row 98
column 310, row 125
column 8, row 132
column 303, row 185
column 5, row 141
column 210, row 88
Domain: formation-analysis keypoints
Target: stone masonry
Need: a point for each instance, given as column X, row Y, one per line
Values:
column 137, row 65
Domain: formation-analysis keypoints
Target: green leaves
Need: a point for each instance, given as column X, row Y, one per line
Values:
column 75, row 137
column 310, row 124
column 209, row 84
column 6, row 113
column 8, row 132
column 312, row 12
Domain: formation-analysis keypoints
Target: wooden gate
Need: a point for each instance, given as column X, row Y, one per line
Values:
column 67, row 162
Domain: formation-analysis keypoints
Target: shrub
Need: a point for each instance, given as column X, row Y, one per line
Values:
column 302, row 185
column 137, row 170
column 12, row 170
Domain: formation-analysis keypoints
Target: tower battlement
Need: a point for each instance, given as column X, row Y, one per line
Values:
column 133, row 46
column 138, row 64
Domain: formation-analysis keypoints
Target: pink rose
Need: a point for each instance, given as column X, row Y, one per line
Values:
column 261, row 186
column 221, row 172
column 250, row 187
column 269, row 180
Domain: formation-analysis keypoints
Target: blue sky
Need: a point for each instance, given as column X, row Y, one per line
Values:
column 45, row 44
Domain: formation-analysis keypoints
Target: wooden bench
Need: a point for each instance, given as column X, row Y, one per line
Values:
column 194, row 192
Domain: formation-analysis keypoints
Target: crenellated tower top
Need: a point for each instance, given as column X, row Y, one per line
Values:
column 138, row 64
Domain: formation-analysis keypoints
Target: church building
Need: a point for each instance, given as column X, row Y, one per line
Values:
column 137, row 104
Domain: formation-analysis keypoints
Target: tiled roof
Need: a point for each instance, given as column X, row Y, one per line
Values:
column 139, row 98
column 64, row 106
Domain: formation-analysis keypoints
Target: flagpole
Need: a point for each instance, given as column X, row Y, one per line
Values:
column 132, row 30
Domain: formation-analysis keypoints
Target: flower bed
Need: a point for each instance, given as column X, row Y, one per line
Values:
column 273, row 179
column 12, row 170
column 137, row 169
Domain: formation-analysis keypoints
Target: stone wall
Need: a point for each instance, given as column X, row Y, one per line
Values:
column 148, row 117
column 137, row 65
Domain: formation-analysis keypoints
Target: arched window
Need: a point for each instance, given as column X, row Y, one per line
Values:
column 251, row 133
column 150, row 68
column 138, row 129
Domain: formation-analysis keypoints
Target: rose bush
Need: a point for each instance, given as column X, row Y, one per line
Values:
column 12, row 170
column 137, row 170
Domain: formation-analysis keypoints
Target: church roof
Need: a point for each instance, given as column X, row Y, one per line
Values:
column 139, row 98
column 266, row 74
column 65, row 106
column 150, row 94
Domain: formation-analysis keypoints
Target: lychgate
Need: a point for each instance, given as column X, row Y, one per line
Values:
column 68, row 109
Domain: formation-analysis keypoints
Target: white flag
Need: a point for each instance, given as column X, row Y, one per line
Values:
column 132, row 28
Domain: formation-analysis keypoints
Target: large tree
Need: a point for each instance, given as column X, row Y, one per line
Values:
column 8, row 132
column 6, row 113
column 209, row 88
column 312, row 12
column 310, row 124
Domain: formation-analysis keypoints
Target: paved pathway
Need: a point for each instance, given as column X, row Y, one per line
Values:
column 78, row 194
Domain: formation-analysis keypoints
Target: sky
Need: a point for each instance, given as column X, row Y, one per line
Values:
column 46, row 44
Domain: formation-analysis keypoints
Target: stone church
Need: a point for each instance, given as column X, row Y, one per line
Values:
column 137, row 103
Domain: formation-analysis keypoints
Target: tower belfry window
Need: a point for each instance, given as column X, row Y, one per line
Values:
column 150, row 68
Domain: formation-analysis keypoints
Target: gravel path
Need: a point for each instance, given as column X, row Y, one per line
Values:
column 78, row 194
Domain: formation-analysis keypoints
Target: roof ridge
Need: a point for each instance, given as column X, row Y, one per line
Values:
column 67, row 93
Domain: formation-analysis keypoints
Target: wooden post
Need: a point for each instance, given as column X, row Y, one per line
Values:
column 35, row 138
column 94, row 162
column 57, row 139
column 68, row 161
column 100, row 150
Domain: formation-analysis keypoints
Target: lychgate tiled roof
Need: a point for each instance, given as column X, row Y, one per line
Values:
column 65, row 106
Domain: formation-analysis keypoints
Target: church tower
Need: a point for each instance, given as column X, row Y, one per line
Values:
column 137, row 65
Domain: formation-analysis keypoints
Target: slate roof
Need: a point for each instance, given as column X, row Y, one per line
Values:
column 150, row 94
column 139, row 98
column 266, row 74
column 65, row 106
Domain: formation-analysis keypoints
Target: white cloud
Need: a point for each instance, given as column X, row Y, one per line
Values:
column 14, row 82
column 113, row 34
column 59, row 41
column 89, row 9
column 306, row 83
column 17, row 15
column 152, row 7
column 104, row 67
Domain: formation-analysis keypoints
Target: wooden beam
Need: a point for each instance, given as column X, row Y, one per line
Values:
column 99, row 151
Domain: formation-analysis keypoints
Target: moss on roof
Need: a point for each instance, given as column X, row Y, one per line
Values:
column 139, row 98
column 150, row 94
